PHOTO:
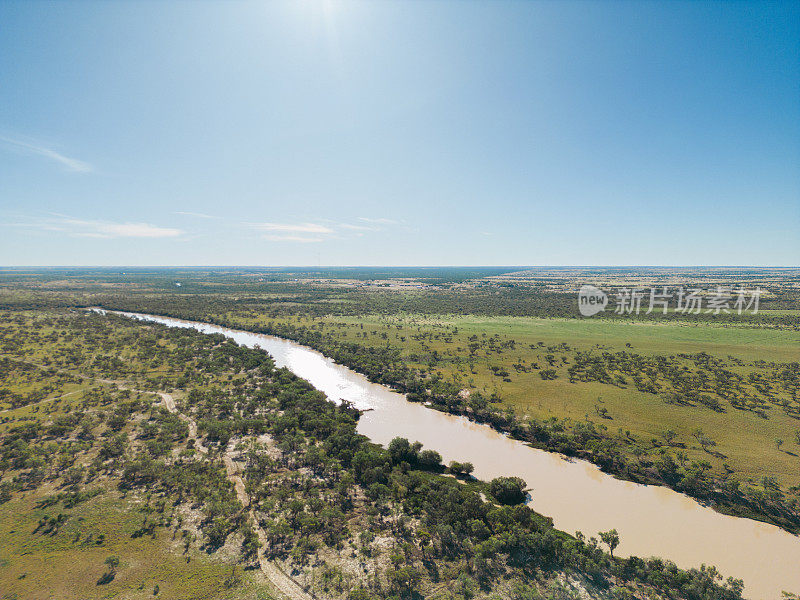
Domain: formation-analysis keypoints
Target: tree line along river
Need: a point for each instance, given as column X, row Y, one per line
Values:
column 651, row 520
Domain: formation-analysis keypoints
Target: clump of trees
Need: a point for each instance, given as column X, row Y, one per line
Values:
column 508, row 490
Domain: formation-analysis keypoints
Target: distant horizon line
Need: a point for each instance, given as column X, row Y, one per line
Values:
column 443, row 266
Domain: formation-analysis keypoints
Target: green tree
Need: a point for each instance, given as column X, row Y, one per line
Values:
column 669, row 436
column 404, row 579
column 112, row 562
column 401, row 450
column 429, row 459
column 508, row 490
column 611, row 539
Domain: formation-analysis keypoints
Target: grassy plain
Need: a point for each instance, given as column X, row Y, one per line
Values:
column 746, row 442
column 69, row 563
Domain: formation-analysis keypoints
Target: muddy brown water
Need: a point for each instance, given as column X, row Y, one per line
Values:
column 651, row 520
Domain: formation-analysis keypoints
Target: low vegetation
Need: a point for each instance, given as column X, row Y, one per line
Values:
column 202, row 456
column 708, row 410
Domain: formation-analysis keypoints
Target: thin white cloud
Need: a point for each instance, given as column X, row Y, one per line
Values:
column 91, row 234
column 137, row 230
column 189, row 213
column 293, row 238
column 306, row 232
column 71, row 164
column 104, row 229
column 357, row 227
column 379, row 221
column 293, row 228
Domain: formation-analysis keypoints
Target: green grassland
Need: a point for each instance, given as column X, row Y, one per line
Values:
column 70, row 562
column 746, row 442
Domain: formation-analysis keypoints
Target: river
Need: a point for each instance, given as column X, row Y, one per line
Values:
column 651, row 520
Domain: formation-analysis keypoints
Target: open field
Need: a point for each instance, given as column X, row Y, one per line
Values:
column 70, row 562
column 746, row 439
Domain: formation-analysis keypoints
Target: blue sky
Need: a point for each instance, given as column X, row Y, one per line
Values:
column 399, row 133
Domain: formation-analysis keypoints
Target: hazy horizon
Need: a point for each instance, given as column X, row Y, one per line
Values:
column 507, row 268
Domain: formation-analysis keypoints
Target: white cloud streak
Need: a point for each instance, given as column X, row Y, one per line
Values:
column 379, row 221
column 105, row 229
column 189, row 213
column 358, row 227
column 136, row 230
column 293, row 228
column 70, row 164
column 293, row 238
column 315, row 232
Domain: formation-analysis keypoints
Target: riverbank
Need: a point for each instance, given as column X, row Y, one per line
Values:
column 651, row 520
